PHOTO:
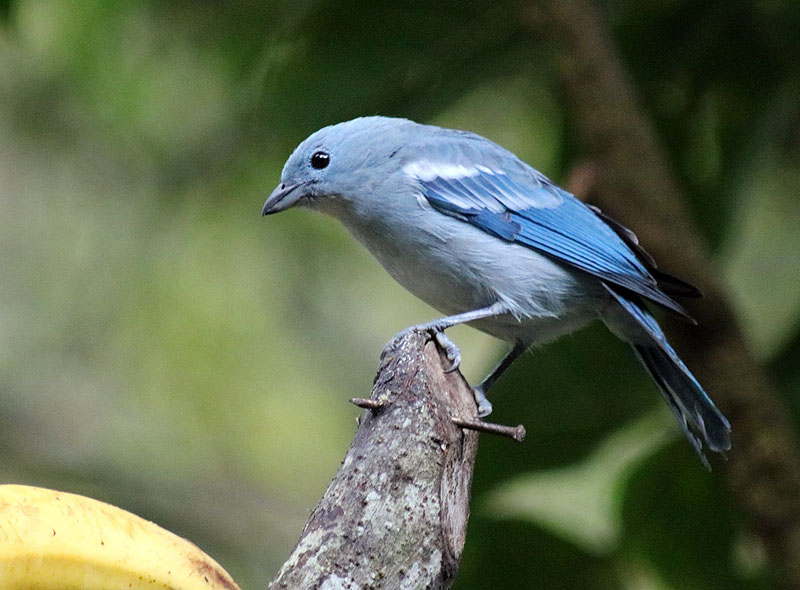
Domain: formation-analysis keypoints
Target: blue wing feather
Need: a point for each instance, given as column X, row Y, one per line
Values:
column 528, row 209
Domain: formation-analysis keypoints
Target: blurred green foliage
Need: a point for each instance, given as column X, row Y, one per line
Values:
column 164, row 348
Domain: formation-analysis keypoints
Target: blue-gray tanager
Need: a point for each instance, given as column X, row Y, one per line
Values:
column 472, row 230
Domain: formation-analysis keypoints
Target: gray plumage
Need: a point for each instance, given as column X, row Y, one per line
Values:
column 470, row 229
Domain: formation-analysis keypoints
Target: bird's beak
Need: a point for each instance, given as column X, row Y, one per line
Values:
column 283, row 197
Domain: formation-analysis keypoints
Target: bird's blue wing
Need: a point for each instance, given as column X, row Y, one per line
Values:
column 521, row 205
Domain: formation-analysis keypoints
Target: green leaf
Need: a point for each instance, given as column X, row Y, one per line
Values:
column 577, row 502
column 513, row 554
column 679, row 519
column 762, row 257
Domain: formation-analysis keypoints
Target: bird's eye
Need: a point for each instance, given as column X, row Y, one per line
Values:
column 320, row 160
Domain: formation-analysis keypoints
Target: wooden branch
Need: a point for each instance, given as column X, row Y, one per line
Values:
column 634, row 183
column 395, row 514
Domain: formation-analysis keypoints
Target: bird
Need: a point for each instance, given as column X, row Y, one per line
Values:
column 489, row 241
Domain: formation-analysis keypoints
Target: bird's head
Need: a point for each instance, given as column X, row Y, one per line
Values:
column 339, row 163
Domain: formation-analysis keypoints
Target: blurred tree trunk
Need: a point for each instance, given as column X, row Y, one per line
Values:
column 635, row 184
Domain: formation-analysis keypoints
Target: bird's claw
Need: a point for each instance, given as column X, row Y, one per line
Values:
column 451, row 351
column 483, row 403
column 453, row 354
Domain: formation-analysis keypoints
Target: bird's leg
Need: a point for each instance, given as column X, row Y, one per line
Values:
column 437, row 327
column 484, row 405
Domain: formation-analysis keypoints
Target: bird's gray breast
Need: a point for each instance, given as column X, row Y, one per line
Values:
column 429, row 257
column 456, row 267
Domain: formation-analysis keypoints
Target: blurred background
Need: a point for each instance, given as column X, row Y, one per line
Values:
column 164, row 348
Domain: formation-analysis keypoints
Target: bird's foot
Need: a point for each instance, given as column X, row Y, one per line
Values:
column 483, row 403
column 435, row 330
column 451, row 351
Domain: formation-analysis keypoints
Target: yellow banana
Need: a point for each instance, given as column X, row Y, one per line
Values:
column 52, row 540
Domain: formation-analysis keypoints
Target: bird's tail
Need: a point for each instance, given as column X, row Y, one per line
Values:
column 701, row 421
column 699, row 418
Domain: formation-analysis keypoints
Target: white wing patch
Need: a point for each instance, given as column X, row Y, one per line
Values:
column 478, row 187
column 426, row 171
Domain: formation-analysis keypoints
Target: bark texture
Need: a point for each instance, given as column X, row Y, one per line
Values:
column 395, row 514
column 635, row 184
